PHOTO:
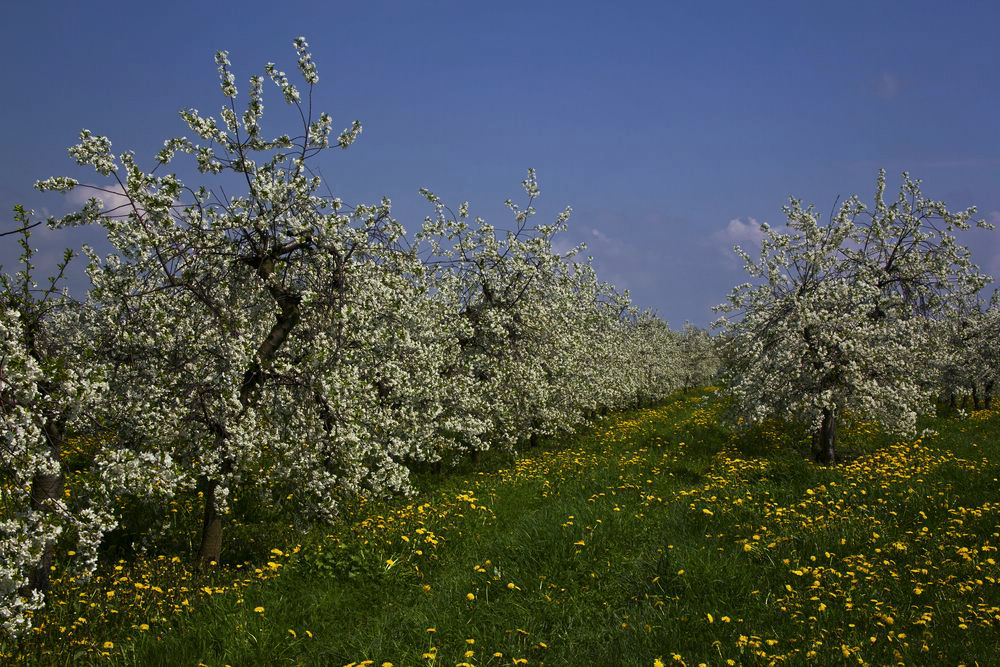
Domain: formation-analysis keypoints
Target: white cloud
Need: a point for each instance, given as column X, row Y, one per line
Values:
column 738, row 231
column 887, row 86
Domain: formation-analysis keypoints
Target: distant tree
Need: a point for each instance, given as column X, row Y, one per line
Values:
column 838, row 319
column 697, row 355
column 972, row 356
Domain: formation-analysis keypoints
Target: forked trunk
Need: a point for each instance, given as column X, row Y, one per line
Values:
column 210, row 550
column 824, row 441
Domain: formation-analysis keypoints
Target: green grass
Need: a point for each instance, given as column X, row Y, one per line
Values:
column 658, row 535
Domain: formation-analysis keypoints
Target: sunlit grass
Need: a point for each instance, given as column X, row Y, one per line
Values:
column 660, row 535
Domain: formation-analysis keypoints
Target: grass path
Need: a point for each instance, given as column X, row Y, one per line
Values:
column 658, row 536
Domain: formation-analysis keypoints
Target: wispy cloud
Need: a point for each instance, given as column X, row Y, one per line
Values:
column 620, row 262
column 612, row 247
column 744, row 233
column 112, row 197
column 738, row 231
column 887, row 86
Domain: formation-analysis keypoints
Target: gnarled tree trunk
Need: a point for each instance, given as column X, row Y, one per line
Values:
column 46, row 491
column 824, row 443
column 210, row 550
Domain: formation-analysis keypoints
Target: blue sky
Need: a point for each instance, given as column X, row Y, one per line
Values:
column 669, row 127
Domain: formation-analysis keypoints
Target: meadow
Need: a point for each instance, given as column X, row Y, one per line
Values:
column 654, row 537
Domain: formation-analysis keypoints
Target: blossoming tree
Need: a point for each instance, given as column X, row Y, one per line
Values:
column 837, row 323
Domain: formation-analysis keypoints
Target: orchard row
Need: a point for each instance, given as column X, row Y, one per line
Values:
column 280, row 340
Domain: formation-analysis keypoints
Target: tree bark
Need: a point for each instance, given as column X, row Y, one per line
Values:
column 46, row 490
column 988, row 395
column 210, row 550
column 825, row 439
column 975, row 396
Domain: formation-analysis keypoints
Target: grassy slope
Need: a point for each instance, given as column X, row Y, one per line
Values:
column 659, row 535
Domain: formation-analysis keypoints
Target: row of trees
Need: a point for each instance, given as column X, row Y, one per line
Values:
column 875, row 315
column 280, row 338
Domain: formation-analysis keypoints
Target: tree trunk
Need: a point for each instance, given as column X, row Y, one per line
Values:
column 288, row 317
column 210, row 550
column 975, row 396
column 952, row 401
column 988, row 395
column 46, row 490
column 475, row 457
column 825, row 439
